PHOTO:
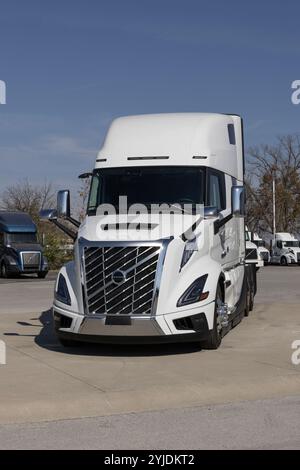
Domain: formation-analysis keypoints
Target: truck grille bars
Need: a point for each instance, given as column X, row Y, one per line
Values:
column 120, row 280
column 251, row 253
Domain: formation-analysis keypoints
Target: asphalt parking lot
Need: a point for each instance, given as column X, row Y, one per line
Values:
column 244, row 395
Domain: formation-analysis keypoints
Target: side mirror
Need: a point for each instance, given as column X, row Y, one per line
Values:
column 48, row 214
column 63, row 204
column 238, row 201
column 210, row 212
column 84, row 176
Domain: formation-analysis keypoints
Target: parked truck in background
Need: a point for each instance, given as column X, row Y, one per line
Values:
column 20, row 251
column 252, row 253
column 263, row 254
column 262, row 250
column 285, row 249
column 190, row 282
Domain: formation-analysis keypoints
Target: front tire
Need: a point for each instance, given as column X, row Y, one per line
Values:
column 42, row 274
column 283, row 261
column 215, row 335
column 4, row 273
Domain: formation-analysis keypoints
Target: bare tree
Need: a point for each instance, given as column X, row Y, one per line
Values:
column 26, row 197
column 282, row 163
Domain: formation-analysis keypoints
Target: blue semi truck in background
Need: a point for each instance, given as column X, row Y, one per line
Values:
column 20, row 251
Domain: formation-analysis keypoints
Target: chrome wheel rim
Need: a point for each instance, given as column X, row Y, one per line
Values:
column 219, row 304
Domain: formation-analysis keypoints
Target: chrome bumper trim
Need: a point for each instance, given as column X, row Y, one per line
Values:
column 140, row 326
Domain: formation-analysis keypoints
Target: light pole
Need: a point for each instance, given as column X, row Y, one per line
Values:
column 274, row 208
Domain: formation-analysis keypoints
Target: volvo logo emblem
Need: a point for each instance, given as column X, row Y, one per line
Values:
column 118, row 277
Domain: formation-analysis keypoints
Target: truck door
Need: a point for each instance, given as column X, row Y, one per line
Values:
column 228, row 241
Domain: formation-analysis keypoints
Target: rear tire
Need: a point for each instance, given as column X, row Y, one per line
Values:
column 215, row 335
column 69, row 343
column 251, row 305
column 247, row 304
column 249, row 292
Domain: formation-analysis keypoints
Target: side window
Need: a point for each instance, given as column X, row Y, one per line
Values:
column 231, row 134
column 1, row 239
column 216, row 190
column 93, row 196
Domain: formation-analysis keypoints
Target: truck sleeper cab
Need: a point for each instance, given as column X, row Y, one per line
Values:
column 20, row 252
column 172, row 277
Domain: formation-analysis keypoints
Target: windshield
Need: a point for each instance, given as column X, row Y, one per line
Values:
column 291, row 244
column 147, row 185
column 20, row 237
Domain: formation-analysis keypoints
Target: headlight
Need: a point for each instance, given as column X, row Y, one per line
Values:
column 62, row 292
column 12, row 261
column 45, row 261
column 189, row 249
column 194, row 293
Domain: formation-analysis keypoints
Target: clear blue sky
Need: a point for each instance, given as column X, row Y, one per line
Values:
column 72, row 65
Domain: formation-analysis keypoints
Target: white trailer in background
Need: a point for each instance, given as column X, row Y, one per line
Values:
column 179, row 277
column 285, row 249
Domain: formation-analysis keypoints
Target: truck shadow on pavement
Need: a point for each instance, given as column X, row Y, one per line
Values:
column 47, row 339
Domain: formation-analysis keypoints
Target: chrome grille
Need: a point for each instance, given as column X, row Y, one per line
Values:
column 120, row 280
column 251, row 253
column 31, row 260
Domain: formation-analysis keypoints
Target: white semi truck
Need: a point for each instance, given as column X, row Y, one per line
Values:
column 285, row 249
column 141, row 276
column 262, row 253
column 262, row 250
column 252, row 254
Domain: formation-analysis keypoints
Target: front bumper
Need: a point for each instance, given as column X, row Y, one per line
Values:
column 14, row 269
column 258, row 262
column 128, row 329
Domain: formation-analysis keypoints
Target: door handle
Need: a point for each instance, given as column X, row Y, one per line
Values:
column 224, row 252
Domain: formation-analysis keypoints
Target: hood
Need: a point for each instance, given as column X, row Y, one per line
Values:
column 250, row 245
column 263, row 249
column 142, row 227
column 18, row 247
column 291, row 248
